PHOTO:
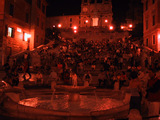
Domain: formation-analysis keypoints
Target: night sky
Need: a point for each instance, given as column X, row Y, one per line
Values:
column 73, row 7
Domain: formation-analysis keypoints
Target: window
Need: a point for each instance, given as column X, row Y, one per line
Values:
column 43, row 9
column 92, row 1
column 39, row 3
column 154, row 39
column 37, row 39
column 27, row 18
column 10, row 32
column 99, row 1
column 42, row 26
column 85, row 1
column 6, row 30
column 11, row 10
column 147, row 42
column 70, row 19
column 70, row 24
column 153, row 1
column 146, row 24
column 37, row 21
column 146, row 4
column 153, row 22
column 29, row 1
column 41, row 40
column 26, row 36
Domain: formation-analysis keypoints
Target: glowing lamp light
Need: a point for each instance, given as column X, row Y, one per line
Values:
column 159, row 36
column 19, row 30
column 75, row 31
column 75, row 27
column 106, row 21
column 122, row 27
column 54, row 26
column 59, row 25
column 26, row 36
column 111, row 27
column 86, row 21
column 130, row 25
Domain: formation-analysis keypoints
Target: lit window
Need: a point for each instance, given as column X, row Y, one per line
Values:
column 26, row 36
column 10, row 32
column 19, row 30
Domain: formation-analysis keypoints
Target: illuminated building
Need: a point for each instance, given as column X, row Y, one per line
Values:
column 22, row 26
column 94, row 13
column 151, row 24
column 94, row 23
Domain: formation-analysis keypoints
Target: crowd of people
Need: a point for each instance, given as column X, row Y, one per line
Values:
column 114, row 65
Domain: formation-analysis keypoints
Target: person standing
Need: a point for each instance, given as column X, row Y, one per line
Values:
column 73, row 77
column 153, row 96
column 87, row 78
column 53, row 78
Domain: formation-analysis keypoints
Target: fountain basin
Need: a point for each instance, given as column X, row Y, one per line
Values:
column 46, row 107
column 25, row 112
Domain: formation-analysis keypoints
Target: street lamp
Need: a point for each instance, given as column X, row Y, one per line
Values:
column 59, row 25
column 86, row 21
column 130, row 25
column 106, row 21
column 110, row 27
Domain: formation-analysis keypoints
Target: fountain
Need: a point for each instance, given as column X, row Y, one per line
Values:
column 70, row 102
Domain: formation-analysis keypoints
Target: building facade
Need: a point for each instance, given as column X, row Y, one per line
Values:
column 22, row 26
column 94, row 13
column 151, row 24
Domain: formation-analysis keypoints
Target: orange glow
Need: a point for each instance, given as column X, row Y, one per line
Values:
column 75, row 31
column 159, row 36
column 75, row 27
column 106, row 21
column 59, row 25
column 130, row 25
column 26, row 36
column 19, row 30
column 86, row 21
column 111, row 27
column 122, row 27
column 54, row 26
